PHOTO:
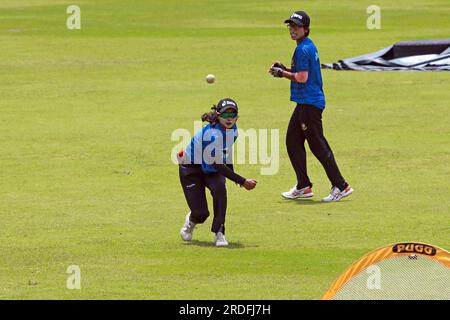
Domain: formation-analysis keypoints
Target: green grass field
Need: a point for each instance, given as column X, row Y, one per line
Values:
column 86, row 119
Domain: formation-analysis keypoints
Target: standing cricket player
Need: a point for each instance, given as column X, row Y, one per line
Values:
column 306, row 121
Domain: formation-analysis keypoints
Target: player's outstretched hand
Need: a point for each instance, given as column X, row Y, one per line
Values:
column 249, row 184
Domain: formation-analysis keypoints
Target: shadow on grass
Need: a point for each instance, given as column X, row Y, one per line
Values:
column 232, row 245
column 305, row 202
column 309, row 202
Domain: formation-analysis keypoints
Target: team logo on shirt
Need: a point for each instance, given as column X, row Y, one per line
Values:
column 304, row 127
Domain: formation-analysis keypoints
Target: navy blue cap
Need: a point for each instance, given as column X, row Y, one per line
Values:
column 225, row 104
column 299, row 18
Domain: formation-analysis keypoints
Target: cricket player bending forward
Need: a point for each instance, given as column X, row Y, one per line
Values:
column 206, row 163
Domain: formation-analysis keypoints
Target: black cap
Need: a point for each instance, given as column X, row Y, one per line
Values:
column 225, row 104
column 300, row 18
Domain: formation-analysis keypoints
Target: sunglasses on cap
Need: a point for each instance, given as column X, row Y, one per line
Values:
column 227, row 115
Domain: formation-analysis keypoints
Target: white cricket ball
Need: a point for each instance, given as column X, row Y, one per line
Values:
column 210, row 78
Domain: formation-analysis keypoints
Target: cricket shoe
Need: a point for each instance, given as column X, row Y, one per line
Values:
column 220, row 240
column 188, row 229
column 294, row 193
column 336, row 194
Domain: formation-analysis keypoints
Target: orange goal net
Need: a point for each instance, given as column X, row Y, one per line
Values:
column 398, row 271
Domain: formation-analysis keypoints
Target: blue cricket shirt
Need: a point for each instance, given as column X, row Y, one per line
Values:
column 212, row 144
column 306, row 58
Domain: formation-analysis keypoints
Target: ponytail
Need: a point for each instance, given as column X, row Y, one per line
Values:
column 211, row 116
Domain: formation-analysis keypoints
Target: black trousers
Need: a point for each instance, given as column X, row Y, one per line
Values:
column 306, row 124
column 194, row 181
